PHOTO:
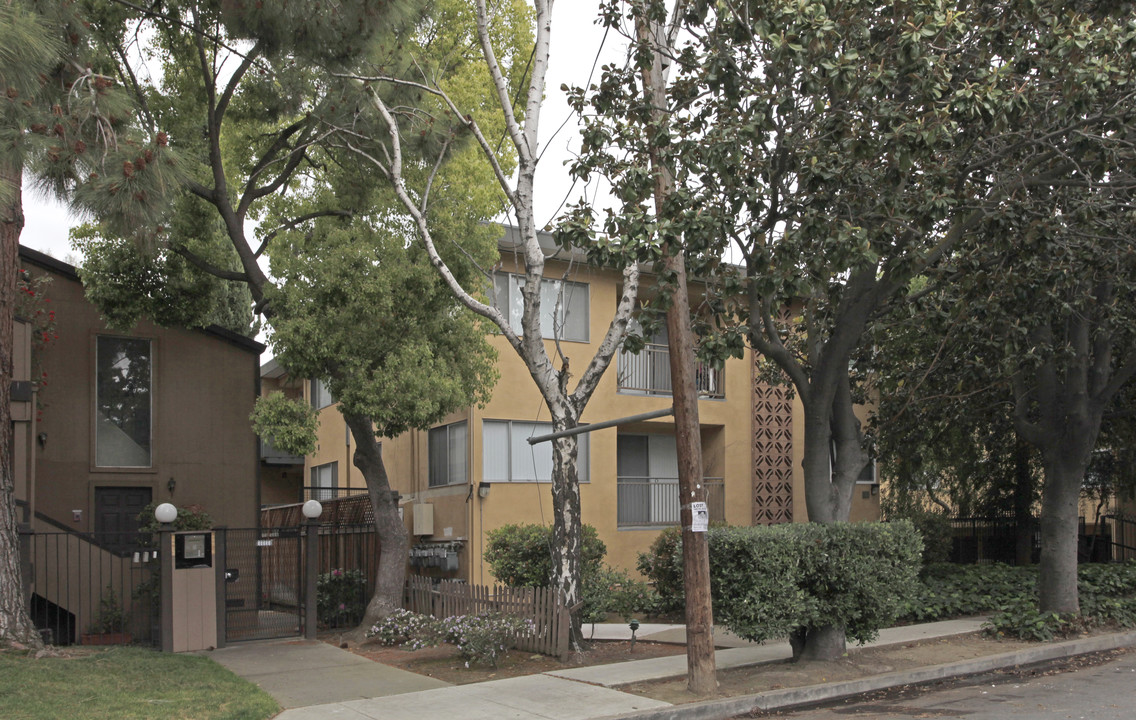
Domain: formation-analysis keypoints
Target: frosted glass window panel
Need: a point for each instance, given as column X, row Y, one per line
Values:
column 495, row 451
column 458, row 453
column 563, row 306
column 508, row 456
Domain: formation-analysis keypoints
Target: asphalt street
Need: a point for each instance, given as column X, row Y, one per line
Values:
column 1101, row 692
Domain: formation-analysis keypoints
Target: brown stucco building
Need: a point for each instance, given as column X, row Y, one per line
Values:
column 122, row 419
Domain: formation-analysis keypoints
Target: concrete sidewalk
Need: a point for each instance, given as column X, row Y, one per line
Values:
column 301, row 673
column 570, row 694
column 313, row 680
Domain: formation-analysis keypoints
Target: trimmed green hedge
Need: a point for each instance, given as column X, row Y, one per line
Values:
column 768, row 581
column 520, row 555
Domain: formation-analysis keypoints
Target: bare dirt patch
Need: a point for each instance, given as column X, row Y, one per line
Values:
column 443, row 662
column 857, row 663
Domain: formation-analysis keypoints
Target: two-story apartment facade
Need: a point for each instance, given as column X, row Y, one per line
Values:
column 475, row 471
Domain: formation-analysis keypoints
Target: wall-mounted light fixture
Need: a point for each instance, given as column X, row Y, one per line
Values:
column 42, row 438
column 483, row 490
column 171, row 485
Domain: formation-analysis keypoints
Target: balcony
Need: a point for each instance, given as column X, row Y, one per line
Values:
column 654, row 502
column 649, row 373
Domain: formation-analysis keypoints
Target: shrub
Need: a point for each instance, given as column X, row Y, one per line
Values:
column 519, row 555
column 412, row 630
column 484, row 638
column 478, row 638
column 1021, row 619
column 767, row 582
column 662, row 566
column 611, row 590
column 948, row 591
column 341, row 597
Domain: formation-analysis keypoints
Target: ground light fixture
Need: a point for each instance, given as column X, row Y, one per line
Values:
column 634, row 625
column 165, row 513
column 312, row 509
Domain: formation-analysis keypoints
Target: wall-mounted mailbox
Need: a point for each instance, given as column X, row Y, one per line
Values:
column 193, row 550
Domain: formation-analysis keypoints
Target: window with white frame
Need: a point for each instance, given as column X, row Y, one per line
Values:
column 449, row 454
column 563, row 306
column 123, row 402
column 507, row 456
column 321, row 396
column 325, row 480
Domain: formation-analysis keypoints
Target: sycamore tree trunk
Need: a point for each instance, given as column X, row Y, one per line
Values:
column 394, row 543
column 567, row 536
column 15, row 623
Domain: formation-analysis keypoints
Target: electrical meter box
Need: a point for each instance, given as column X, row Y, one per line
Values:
column 193, row 550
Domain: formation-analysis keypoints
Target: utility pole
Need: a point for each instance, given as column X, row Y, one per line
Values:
column 700, row 664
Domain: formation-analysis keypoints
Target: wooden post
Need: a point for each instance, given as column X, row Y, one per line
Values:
column 700, row 661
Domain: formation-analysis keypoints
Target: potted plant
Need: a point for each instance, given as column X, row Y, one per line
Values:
column 109, row 625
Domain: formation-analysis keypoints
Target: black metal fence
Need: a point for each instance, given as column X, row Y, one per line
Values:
column 978, row 540
column 93, row 588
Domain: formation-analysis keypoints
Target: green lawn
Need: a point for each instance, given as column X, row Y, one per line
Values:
column 126, row 684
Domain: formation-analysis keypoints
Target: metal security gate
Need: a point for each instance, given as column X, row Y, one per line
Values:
column 264, row 583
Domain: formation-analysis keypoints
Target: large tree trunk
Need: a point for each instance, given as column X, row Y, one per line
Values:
column 829, row 485
column 15, row 623
column 567, row 536
column 394, row 544
column 1057, row 580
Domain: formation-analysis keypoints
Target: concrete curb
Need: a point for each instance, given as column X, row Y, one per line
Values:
column 793, row 697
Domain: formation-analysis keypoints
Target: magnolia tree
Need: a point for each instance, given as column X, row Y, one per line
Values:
column 518, row 108
column 840, row 149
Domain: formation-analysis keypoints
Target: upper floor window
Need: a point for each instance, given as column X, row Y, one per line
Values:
column 321, row 396
column 449, row 454
column 123, row 402
column 507, row 456
column 563, row 306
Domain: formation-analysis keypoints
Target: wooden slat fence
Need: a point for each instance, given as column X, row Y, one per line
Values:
column 541, row 605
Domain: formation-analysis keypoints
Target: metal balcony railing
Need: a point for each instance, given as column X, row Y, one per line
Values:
column 649, row 373
column 651, row 502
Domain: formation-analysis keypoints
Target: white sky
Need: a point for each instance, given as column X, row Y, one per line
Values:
column 576, row 39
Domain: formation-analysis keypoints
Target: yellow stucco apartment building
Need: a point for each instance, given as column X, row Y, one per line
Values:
column 475, row 472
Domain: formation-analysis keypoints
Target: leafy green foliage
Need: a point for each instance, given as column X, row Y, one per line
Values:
column 521, row 555
column 769, row 581
column 341, row 597
column 612, row 590
column 126, row 283
column 289, row 424
column 662, row 565
column 1009, row 595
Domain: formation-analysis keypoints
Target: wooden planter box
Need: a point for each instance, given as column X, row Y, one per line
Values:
column 117, row 638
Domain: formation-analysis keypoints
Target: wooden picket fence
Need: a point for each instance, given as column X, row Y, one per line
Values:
column 541, row 605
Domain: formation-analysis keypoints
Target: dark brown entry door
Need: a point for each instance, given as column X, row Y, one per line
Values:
column 116, row 515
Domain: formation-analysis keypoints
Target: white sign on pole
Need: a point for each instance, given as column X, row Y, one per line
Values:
column 700, row 517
